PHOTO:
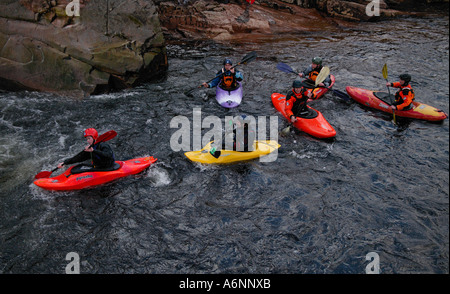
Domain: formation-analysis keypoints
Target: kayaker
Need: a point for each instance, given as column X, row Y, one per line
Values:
column 312, row 71
column 227, row 77
column 297, row 98
column 243, row 136
column 405, row 96
column 100, row 154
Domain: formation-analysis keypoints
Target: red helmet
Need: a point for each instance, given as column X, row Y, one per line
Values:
column 91, row 132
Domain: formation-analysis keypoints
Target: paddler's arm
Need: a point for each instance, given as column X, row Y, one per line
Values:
column 288, row 108
column 326, row 83
column 394, row 85
column 82, row 156
column 306, row 72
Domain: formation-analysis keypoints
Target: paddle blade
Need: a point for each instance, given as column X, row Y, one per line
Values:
column 249, row 57
column 189, row 92
column 43, row 174
column 286, row 130
column 285, row 68
column 385, row 72
column 106, row 136
column 323, row 74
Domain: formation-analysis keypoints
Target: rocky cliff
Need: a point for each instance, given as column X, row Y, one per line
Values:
column 111, row 45
column 225, row 20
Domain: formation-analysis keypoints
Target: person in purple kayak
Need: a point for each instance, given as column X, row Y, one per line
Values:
column 226, row 78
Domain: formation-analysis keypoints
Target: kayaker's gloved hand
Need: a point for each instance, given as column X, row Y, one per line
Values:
column 60, row 165
column 88, row 148
column 205, row 85
column 293, row 118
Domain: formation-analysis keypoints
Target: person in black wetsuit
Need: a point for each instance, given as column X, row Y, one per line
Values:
column 243, row 136
column 100, row 154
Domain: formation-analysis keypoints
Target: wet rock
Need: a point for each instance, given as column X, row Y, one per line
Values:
column 357, row 10
column 112, row 45
column 220, row 21
column 223, row 22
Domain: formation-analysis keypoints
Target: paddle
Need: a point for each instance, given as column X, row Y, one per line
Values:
column 286, row 130
column 323, row 74
column 385, row 76
column 102, row 138
column 287, row 69
column 246, row 59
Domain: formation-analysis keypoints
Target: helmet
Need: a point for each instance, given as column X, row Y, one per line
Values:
column 227, row 61
column 297, row 84
column 243, row 117
column 405, row 77
column 91, row 132
column 317, row 60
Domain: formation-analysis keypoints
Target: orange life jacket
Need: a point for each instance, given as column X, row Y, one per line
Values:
column 294, row 97
column 313, row 75
column 404, row 97
column 228, row 80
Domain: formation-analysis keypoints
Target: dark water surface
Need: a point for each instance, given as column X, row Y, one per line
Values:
column 321, row 207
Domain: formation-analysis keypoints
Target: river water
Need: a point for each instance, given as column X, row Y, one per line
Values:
column 321, row 207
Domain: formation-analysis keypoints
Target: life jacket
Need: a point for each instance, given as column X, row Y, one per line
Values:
column 228, row 79
column 298, row 103
column 314, row 73
column 404, row 97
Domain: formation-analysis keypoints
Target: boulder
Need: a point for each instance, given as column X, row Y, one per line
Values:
column 111, row 45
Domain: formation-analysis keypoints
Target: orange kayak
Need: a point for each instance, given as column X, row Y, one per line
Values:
column 313, row 123
column 76, row 181
column 381, row 101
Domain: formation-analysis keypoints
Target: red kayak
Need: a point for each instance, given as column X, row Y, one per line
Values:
column 312, row 123
column 80, row 180
column 381, row 101
column 322, row 90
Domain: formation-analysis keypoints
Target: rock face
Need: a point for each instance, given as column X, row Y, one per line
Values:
column 213, row 20
column 111, row 45
column 235, row 19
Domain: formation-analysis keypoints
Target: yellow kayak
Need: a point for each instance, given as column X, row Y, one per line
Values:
column 261, row 148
